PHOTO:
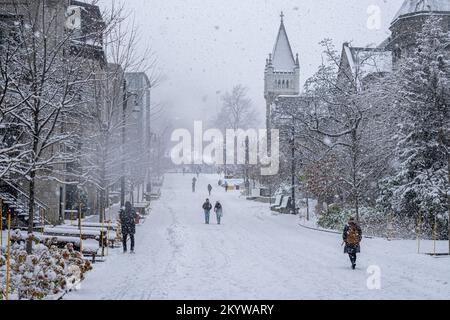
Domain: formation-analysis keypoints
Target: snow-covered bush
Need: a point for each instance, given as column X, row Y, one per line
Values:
column 333, row 218
column 48, row 271
column 373, row 222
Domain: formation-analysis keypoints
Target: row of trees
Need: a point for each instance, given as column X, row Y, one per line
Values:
column 376, row 139
column 63, row 97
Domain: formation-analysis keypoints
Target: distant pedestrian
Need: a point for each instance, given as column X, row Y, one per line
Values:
column 210, row 189
column 207, row 207
column 226, row 186
column 194, row 183
column 352, row 237
column 218, row 209
column 127, row 220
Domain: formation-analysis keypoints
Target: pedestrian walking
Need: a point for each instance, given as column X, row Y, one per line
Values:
column 207, row 207
column 128, row 223
column 352, row 237
column 210, row 189
column 194, row 183
column 218, row 209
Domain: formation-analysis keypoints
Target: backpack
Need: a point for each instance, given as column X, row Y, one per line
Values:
column 353, row 236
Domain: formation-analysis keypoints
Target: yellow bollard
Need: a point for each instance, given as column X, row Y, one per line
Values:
column 107, row 232
column 81, row 229
column 435, row 235
column 8, row 255
column 419, row 231
column 1, row 223
column 42, row 220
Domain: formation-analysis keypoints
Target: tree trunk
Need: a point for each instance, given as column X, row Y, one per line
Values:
column 357, row 206
column 31, row 211
column 307, row 207
column 448, row 201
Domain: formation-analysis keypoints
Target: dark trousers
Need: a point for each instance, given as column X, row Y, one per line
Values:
column 352, row 256
column 124, row 241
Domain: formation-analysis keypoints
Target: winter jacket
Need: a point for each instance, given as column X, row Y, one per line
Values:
column 207, row 206
column 209, row 187
column 218, row 209
column 352, row 248
column 127, row 219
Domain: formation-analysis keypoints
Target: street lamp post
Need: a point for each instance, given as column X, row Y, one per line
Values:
column 124, row 109
column 293, row 168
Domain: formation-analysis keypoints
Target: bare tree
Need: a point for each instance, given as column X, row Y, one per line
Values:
column 237, row 111
column 44, row 94
column 111, row 153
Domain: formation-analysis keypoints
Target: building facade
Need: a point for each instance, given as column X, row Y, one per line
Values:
column 282, row 73
column 360, row 64
column 58, row 17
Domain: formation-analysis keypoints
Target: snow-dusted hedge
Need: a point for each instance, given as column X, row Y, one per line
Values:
column 373, row 222
column 48, row 271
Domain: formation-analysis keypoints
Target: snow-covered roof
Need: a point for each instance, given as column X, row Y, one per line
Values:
column 411, row 7
column 282, row 56
column 364, row 62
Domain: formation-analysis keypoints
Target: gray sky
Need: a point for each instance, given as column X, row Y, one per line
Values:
column 204, row 47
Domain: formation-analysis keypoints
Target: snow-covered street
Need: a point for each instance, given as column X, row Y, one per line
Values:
column 253, row 255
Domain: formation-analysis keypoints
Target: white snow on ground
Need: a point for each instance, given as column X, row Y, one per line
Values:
column 253, row 255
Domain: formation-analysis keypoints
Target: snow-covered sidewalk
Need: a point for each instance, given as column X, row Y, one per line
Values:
column 253, row 255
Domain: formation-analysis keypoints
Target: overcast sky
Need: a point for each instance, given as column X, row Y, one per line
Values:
column 205, row 47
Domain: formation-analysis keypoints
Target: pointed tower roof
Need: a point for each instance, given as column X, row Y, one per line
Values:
column 412, row 7
column 282, row 56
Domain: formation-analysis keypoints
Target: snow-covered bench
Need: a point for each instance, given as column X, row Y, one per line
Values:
column 87, row 228
column 278, row 201
column 68, row 231
column 284, row 207
column 90, row 248
column 111, row 226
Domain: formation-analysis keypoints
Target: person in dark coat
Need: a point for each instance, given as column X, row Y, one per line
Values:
column 207, row 207
column 194, row 183
column 127, row 220
column 209, row 189
column 218, row 209
column 352, row 237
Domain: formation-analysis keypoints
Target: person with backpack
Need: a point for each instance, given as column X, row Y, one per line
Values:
column 207, row 209
column 210, row 189
column 352, row 237
column 219, row 211
column 128, row 223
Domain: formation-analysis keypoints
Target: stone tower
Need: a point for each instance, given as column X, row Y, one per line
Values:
column 409, row 20
column 282, row 73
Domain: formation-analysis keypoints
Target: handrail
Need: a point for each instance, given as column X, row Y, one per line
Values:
column 23, row 193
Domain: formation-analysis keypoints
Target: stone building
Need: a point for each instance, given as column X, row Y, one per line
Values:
column 139, row 86
column 363, row 63
column 410, row 20
column 282, row 73
column 53, row 197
